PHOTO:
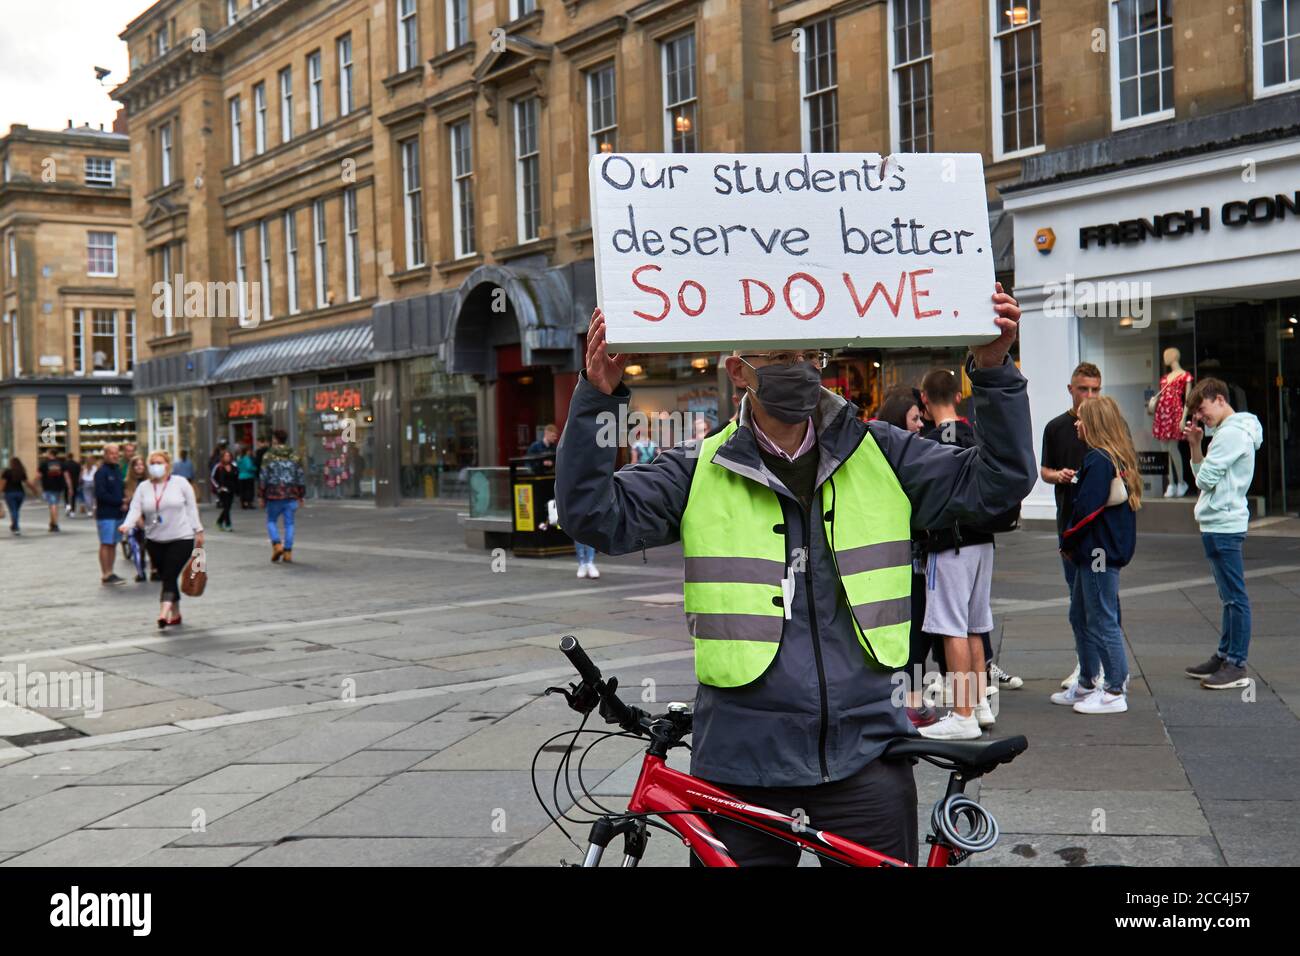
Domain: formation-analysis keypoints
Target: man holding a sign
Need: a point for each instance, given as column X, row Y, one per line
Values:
column 795, row 522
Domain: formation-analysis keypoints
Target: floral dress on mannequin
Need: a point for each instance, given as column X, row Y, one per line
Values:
column 1168, row 424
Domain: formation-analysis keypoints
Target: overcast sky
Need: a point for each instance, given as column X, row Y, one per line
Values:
column 48, row 51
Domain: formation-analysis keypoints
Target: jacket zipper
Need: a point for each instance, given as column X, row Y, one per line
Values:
column 817, row 645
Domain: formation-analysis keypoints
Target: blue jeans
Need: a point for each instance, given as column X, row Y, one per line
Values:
column 13, row 501
column 1078, row 619
column 1103, row 643
column 1224, row 552
column 274, row 509
column 586, row 553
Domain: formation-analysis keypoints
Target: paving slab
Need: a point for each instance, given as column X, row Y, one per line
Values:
column 1110, row 812
column 145, row 715
column 250, row 778
column 92, row 848
column 389, row 851
column 374, row 763
column 1021, row 849
column 177, row 811
column 283, row 813
column 195, row 856
column 42, row 818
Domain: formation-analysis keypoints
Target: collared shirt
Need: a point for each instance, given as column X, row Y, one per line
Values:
column 809, row 439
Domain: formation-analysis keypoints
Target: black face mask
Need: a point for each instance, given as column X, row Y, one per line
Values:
column 788, row 394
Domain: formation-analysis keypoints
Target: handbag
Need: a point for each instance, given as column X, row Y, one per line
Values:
column 1118, row 492
column 194, row 577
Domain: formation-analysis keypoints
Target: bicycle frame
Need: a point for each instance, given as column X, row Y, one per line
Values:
column 673, row 796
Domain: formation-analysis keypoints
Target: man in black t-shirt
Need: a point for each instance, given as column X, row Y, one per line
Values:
column 54, row 485
column 1063, row 452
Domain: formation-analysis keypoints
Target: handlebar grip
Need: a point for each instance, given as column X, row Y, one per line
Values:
column 589, row 672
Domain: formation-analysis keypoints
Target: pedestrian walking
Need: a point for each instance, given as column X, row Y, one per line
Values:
column 247, row 478
column 795, row 521
column 263, row 443
column 543, row 454
column 137, row 473
column 73, row 468
column 958, row 582
column 224, row 483
column 54, row 484
column 128, row 456
column 213, row 458
column 283, row 486
column 1224, row 475
column 1063, row 454
column 167, row 509
column 15, row 480
column 88, row 469
column 1099, row 541
column 108, row 494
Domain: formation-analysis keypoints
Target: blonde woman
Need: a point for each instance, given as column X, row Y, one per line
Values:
column 172, row 528
column 1100, row 539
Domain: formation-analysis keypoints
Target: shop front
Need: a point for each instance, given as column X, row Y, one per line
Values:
column 334, row 432
column 1189, row 266
column 243, row 418
column 439, row 429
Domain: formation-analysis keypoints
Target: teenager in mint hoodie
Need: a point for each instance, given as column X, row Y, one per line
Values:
column 1224, row 476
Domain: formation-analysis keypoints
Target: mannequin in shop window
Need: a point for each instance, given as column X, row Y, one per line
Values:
column 1168, row 407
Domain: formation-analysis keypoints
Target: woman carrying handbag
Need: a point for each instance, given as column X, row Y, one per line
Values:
column 1100, row 539
column 172, row 528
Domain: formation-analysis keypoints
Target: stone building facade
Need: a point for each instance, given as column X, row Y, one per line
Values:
column 68, row 343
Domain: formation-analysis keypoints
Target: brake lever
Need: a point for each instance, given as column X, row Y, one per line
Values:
column 580, row 697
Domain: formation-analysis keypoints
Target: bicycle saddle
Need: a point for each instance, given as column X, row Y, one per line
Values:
column 973, row 757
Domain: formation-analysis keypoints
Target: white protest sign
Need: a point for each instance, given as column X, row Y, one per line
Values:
column 720, row 250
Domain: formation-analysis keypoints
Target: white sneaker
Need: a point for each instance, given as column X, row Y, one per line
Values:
column 1072, row 679
column 1169, row 490
column 1002, row 677
column 1102, row 701
column 1072, row 695
column 591, row 571
column 984, row 715
column 582, row 570
column 1182, row 489
column 952, row 727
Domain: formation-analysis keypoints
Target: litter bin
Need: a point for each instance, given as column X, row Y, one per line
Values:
column 537, row 531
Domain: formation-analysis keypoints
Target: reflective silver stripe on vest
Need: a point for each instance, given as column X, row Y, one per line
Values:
column 873, row 557
column 734, row 570
column 735, row 627
column 883, row 613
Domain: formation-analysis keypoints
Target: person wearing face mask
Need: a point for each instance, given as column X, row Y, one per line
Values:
column 796, row 523
column 173, row 530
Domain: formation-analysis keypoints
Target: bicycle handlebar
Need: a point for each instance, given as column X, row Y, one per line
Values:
column 579, row 659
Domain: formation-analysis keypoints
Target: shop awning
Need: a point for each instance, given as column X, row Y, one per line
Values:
column 334, row 348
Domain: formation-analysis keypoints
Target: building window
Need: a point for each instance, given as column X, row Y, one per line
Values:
column 462, row 186
column 457, row 23
column 351, row 245
column 130, row 340
column 232, row 11
column 241, row 276
column 821, row 127
column 602, row 110
column 165, row 154
column 286, row 104
column 236, row 130
column 13, row 256
column 521, row 8
column 264, row 248
column 169, row 293
column 314, row 90
column 322, row 257
column 528, row 174
column 103, row 341
column 412, row 208
column 1018, row 82
column 78, row 341
column 161, row 41
column 680, row 103
column 345, row 74
column 291, row 260
column 912, row 70
column 101, row 254
column 15, row 345
column 408, row 36
column 259, row 119
column 1142, row 62
column 100, row 171
column 1277, row 46
column 8, row 173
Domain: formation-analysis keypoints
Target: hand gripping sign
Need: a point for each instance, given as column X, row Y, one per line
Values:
column 767, row 250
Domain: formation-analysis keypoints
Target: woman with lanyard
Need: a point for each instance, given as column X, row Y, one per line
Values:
column 172, row 528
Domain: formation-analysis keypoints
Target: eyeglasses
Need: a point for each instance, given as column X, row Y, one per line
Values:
column 817, row 359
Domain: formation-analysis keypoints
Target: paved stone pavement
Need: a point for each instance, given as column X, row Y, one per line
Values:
column 380, row 702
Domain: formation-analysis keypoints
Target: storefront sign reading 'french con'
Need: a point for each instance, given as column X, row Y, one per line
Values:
column 1234, row 214
column 714, row 250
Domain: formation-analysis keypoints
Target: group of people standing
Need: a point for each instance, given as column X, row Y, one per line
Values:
column 1088, row 455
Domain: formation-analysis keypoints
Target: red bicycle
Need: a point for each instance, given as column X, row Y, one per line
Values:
column 960, row 825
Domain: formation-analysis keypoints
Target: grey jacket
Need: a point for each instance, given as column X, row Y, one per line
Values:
column 820, row 712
